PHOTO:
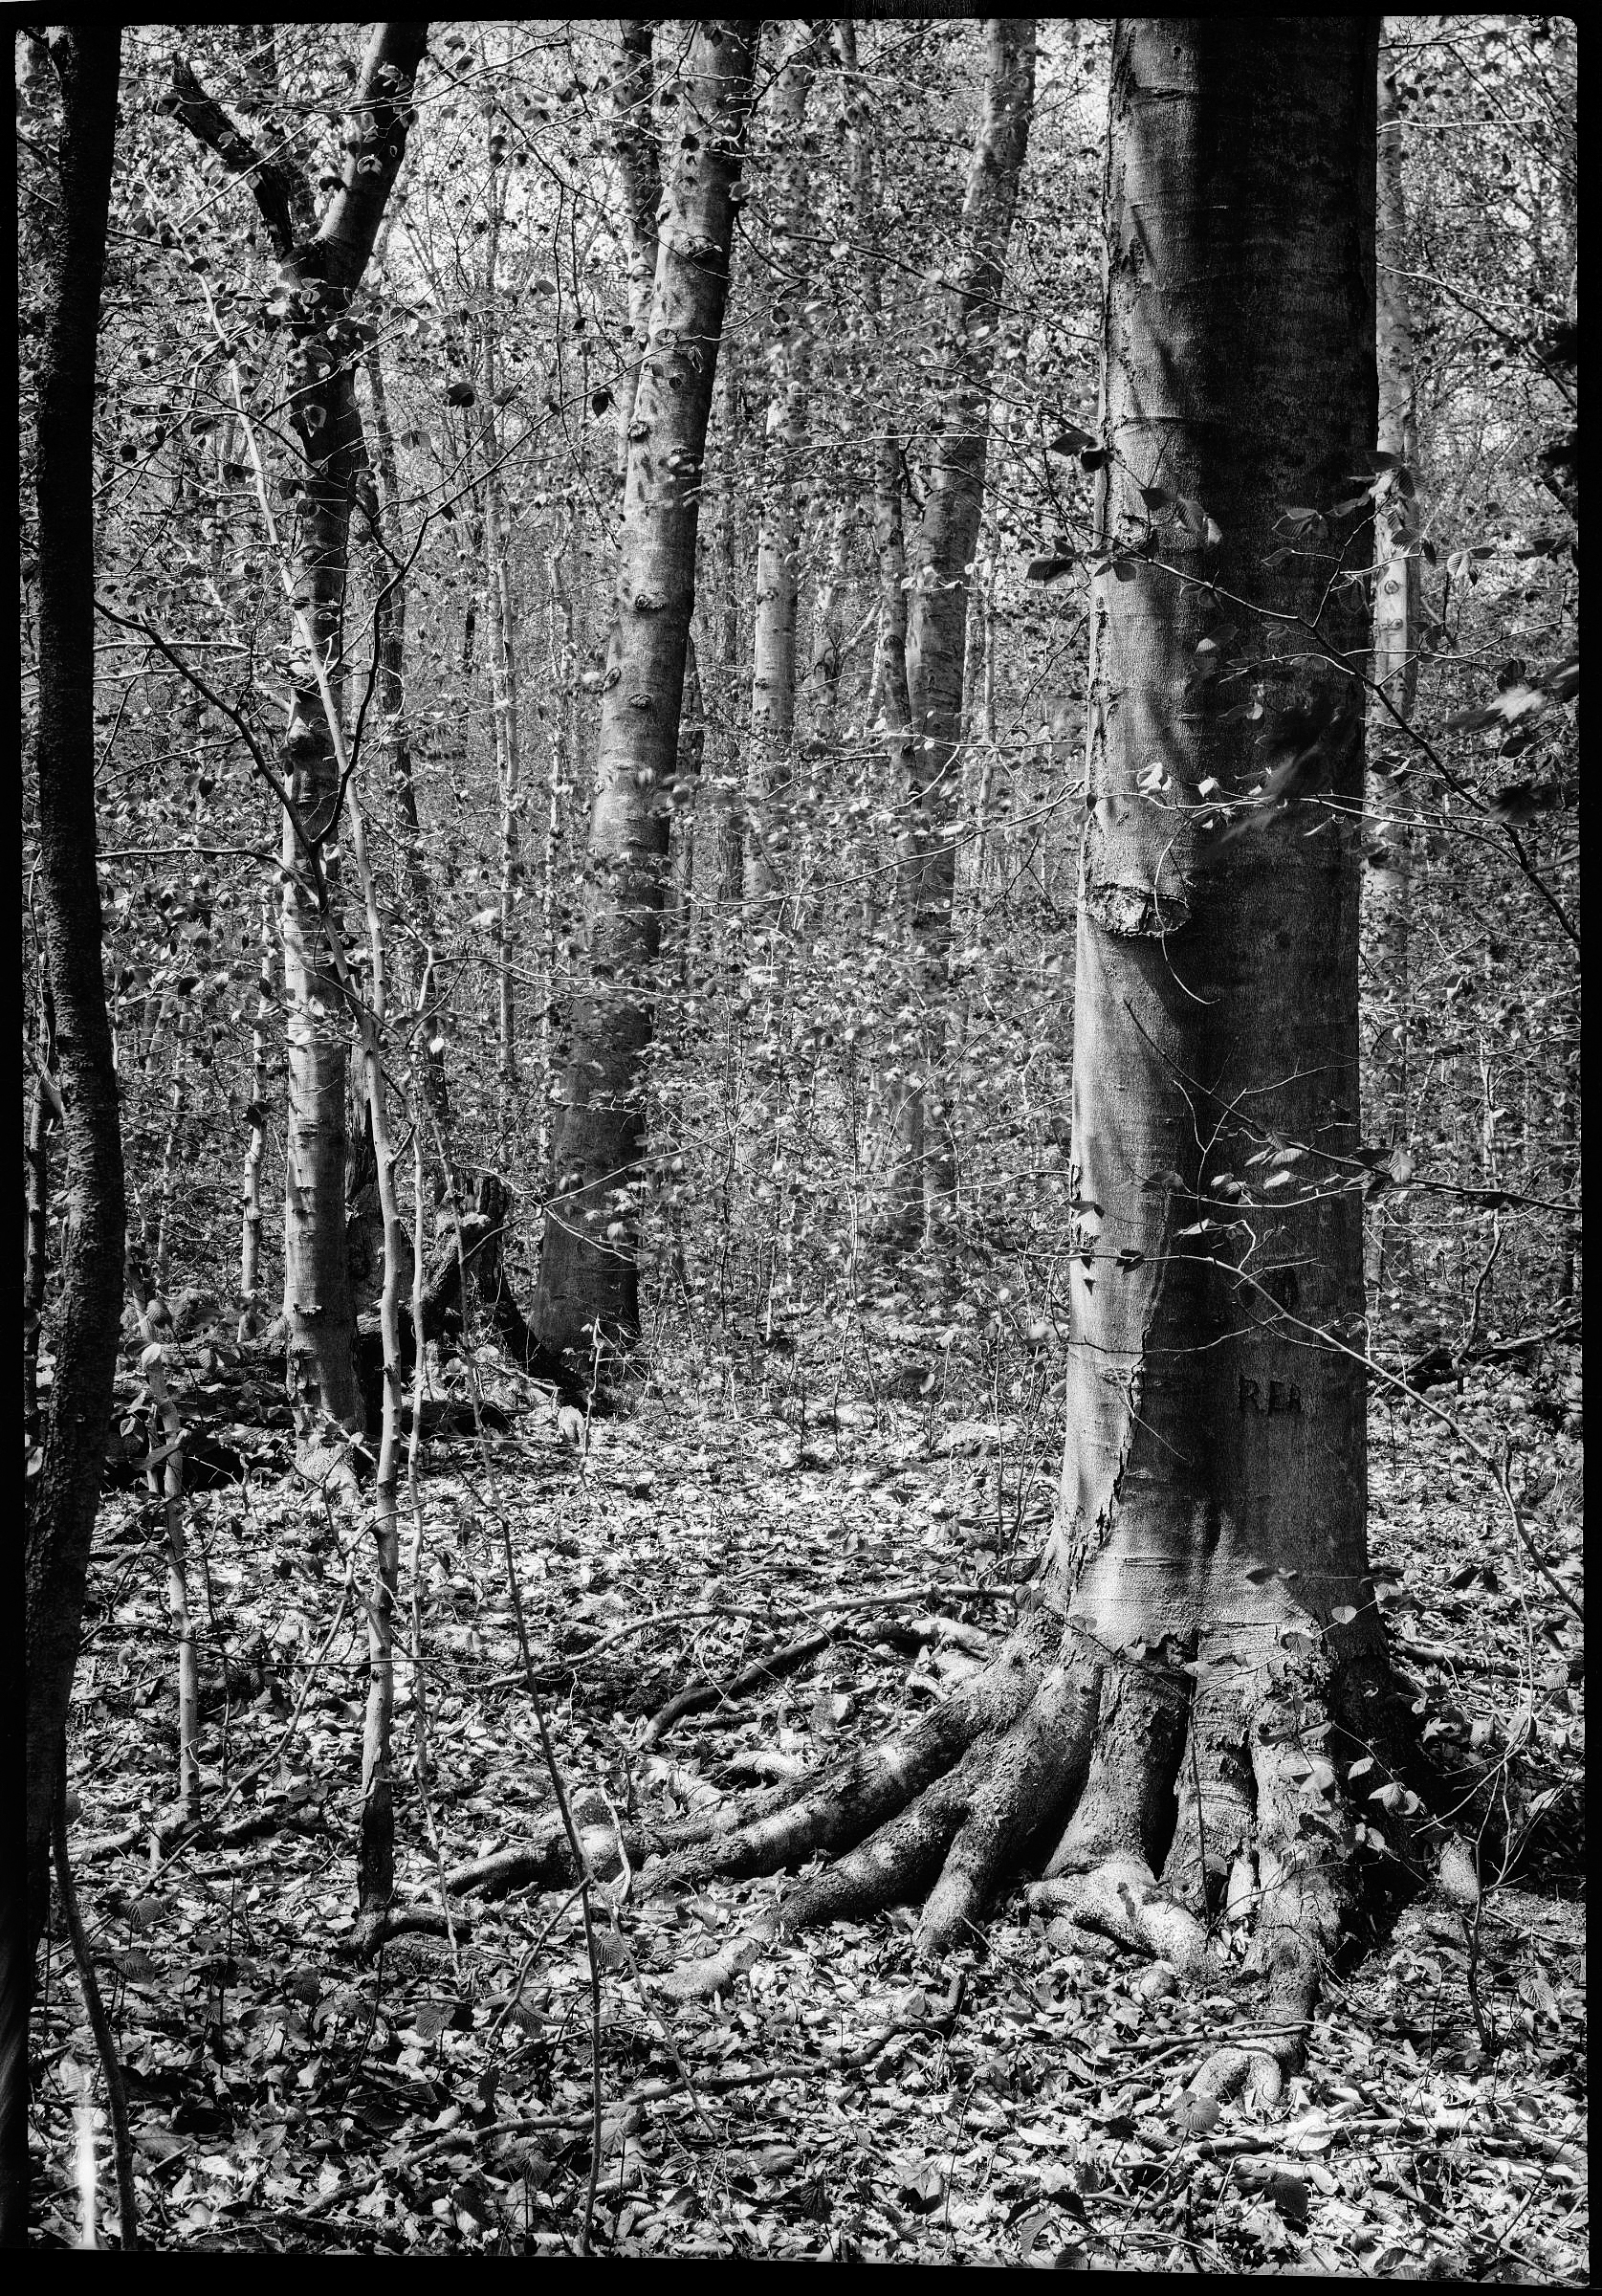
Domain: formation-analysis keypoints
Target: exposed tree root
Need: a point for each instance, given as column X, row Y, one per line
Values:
column 404, row 1921
column 1195, row 1802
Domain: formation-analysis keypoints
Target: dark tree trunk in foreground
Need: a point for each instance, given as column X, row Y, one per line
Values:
column 587, row 1273
column 321, row 263
column 62, row 1496
column 1171, row 1735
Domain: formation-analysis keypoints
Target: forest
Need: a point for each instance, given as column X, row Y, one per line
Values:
column 801, row 1141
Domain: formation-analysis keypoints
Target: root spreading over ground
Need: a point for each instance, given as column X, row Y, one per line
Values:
column 1168, row 1802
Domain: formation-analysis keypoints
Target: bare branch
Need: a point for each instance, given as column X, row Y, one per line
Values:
column 281, row 193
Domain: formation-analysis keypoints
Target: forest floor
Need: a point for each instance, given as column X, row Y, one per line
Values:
column 845, row 2102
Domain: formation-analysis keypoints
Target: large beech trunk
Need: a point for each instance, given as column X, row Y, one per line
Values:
column 321, row 263
column 1199, row 1705
column 62, row 1495
column 923, row 1179
column 588, row 1288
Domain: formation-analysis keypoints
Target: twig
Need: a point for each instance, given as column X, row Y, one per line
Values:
column 940, row 2025
column 893, row 1598
column 1489, row 1350
column 419, row 1686
column 649, row 2092
column 586, row 1877
column 117, row 2091
column 777, row 1663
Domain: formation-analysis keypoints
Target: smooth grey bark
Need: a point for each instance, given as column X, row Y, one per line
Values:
column 1217, row 964
column 640, row 167
column 588, row 1287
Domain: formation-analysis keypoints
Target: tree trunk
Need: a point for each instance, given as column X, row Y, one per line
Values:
column 729, row 832
column 1204, row 1683
column 587, row 1277
column 634, row 140
column 256, row 1122
column 45, row 1110
column 503, row 678
column 924, row 1177
column 62, row 1495
column 828, row 629
column 177, row 1110
column 772, row 676
column 1397, row 597
column 554, row 871
column 389, row 646
column 322, row 264
column 692, row 746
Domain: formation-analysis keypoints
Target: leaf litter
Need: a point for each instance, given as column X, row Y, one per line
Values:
column 833, row 2100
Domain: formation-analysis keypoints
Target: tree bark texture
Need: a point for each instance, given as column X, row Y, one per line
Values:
column 389, row 646
column 1398, row 574
column 321, row 267
column 773, row 678
column 1215, row 1005
column 62, row 1495
column 640, row 166
column 587, row 1277
column 255, row 1140
column 44, row 1110
column 942, row 553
